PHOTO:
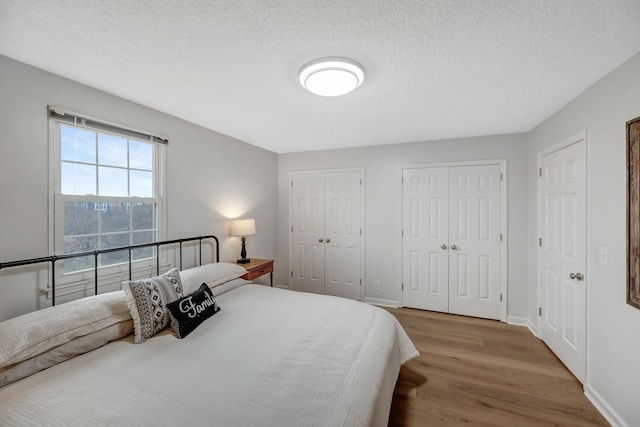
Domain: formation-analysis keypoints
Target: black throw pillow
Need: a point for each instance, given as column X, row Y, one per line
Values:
column 188, row 312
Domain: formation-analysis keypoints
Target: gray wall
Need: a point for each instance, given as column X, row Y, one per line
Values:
column 613, row 327
column 210, row 177
column 382, row 198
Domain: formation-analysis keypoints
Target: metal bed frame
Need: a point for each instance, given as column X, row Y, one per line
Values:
column 53, row 258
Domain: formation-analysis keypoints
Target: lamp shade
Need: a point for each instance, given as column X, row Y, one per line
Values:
column 243, row 227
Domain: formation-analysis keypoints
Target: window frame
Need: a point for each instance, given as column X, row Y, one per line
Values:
column 57, row 200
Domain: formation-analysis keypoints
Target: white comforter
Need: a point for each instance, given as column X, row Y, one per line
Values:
column 270, row 357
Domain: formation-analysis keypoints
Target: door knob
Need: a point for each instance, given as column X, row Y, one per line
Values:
column 576, row 276
column 443, row 246
column 454, row 247
column 328, row 240
column 320, row 240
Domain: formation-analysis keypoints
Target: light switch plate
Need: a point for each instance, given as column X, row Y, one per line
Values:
column 604, row 256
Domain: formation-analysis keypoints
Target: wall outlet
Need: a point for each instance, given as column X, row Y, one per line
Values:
column 376, row 285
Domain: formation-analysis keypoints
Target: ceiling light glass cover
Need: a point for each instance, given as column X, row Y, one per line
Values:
column 331, row 76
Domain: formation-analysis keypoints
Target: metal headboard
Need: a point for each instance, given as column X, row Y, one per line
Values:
column 53, row 258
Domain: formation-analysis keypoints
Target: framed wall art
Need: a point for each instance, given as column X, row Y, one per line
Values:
column 633, row 212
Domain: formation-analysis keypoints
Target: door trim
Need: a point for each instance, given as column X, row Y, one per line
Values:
column 574, row 139
column 361, row 170
column 504, row 248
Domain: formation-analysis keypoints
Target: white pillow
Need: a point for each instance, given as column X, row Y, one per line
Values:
column 66, row 351
column 26, row 336
column 212, row 274
column 228, row 286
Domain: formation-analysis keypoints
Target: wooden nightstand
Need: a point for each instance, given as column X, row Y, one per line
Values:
column 258, row 267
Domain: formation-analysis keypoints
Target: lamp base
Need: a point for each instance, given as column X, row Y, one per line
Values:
column 243, row 253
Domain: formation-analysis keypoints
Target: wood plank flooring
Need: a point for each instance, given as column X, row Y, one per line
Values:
column 480, row 372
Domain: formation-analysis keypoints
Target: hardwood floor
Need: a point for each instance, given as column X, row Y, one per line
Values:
column 481, row 372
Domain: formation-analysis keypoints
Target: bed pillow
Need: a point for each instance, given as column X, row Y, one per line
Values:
column 212, row 274
column 187, row 313
column 66, row 351
column 228, row 286
column 147, row 300
column 26, row 336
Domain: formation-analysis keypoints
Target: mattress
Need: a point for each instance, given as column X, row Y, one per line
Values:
column 270, row 357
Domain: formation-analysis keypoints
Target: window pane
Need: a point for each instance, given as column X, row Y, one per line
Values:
column 140, row 155
column 113, row 241
column 143, row 216
column 115, row 217
column 113, row 182
column 112, row 150
column 140, row 238
column 79, row 244
column 80, row 218
column 78, row 179
column 77, row 145
column 141, row 184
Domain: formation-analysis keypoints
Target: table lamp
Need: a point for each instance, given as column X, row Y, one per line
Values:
column 243, row 227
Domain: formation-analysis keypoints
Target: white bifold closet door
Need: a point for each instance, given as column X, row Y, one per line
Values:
column 451, row 255
column 326, row 233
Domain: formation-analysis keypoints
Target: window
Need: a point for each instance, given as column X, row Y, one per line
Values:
column 107, row 189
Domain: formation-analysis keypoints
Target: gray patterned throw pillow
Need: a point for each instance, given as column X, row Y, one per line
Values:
column 147, row 300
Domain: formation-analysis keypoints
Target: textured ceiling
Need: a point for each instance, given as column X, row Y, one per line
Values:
column 435, row 69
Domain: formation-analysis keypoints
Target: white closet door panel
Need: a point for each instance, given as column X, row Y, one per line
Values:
column 343, row 239
column 474, row 241
column 307, row 222
column 425, row 230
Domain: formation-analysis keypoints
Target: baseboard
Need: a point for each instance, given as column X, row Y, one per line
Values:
column 604, row 408
column 382, row 302
column 518, row 321
column 533, row 328
column 523, row 321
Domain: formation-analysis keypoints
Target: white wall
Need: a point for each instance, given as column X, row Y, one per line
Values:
column 210, row 177
column 382, row 196
column 613, row 327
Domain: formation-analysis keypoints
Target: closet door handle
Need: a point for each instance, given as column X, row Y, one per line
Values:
column 443, row 246
column 454, row 247
column 576, row 276
column 320, row 240
column 328, row 240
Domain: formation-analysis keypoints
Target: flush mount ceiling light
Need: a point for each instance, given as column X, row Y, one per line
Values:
column 331, row 76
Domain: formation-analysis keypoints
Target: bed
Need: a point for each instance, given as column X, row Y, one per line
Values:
column 261, row 357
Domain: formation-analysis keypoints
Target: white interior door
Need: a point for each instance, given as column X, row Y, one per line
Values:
column 451, row 244
column 562, row 254
column 474, row 241
column 326, row 233
column 343, row 234
column 307, row 232
column 425, row 255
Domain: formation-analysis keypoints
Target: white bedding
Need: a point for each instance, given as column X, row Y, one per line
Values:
column 270, row 357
